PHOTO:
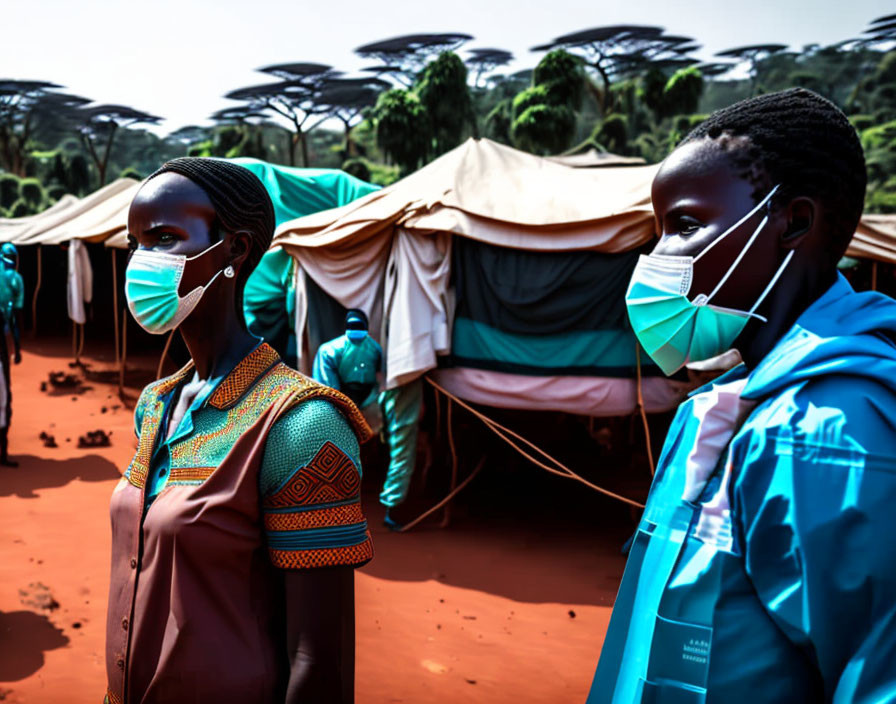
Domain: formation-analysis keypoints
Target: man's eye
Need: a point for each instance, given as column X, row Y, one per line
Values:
column 688, row 226
column 167, row 238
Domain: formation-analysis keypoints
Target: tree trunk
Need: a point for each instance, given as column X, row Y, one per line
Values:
column 105, row 164
column 349, row 144
column 305, row 160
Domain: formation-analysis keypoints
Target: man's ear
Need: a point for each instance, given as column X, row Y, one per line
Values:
column 802, row 216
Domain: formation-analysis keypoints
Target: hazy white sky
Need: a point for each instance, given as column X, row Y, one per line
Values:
column 176, row 58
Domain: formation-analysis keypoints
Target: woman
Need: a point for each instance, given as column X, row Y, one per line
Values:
column 237, row 524
column 764, row 567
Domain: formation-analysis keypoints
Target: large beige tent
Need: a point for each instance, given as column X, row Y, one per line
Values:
column 98, row 217
column 390, row 254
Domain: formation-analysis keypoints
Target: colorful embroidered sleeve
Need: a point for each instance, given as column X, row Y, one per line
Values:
column 310, row 483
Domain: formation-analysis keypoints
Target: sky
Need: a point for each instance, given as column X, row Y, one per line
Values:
column 177, row 58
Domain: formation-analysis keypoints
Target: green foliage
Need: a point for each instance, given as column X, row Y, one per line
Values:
column 32, row 192
column 9, row 190
column 55, row 192
column 131, row 172
column 498, row 122
column 357, row 167
column 653, row 86
column 544, row 115
column 561, row 74
column 20, row 209
column 444, row 94
column 402, row 128
column 612, row 133
column 681, row 94
column 544, row 129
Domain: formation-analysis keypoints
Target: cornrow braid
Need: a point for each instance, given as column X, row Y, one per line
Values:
column 241, row 204
column 801, row 141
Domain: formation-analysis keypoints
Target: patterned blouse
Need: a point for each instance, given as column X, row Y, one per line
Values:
column 262, row 473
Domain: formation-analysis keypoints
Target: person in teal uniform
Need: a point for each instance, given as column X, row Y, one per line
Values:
column 12, row 299
column 350, row 362
column 764, row 565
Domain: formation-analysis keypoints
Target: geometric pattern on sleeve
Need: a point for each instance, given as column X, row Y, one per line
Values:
column 329, row 477
column 315, row 518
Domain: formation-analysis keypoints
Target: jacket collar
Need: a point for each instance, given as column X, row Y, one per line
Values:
column 235, row 384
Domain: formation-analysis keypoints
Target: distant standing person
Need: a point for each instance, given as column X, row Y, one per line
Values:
column 12, row 299
column 350, row 362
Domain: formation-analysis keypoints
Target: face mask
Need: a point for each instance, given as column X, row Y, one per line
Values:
column 356, row 335
column 151, row 286
column 675, row 330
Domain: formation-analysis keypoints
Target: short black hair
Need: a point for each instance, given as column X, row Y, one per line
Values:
column 357, row 313
column 802, row 142
column 241, row 204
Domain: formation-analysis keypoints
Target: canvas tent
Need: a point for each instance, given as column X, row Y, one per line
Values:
column 101, row 217
column 500, row 272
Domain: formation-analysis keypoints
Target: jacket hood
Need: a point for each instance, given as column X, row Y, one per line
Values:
column 843, row 332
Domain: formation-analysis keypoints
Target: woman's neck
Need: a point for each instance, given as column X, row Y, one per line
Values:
column 217, row 343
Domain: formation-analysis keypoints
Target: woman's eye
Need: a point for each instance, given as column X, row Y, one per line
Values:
column 167, row 238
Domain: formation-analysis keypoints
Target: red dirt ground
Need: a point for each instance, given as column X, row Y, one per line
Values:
column 495, row 610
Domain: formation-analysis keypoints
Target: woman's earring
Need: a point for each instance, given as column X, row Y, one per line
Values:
column 229, row 272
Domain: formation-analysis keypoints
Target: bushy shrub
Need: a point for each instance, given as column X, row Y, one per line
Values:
column 20, row 209
column 544, row 129
column 131, row 172
column 32, row 192
column 9, row 190
column 357, row 167
column 55, row 192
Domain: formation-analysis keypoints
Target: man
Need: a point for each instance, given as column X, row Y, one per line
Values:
column 12, row 299
column 350, row 362
column 764, row 567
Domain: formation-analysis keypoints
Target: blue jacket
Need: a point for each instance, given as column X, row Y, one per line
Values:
column 790, row 596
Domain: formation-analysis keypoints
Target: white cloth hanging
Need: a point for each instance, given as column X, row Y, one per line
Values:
column 80, row 281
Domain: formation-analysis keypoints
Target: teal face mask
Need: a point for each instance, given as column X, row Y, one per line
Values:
column 151, row 287
column 674, row 329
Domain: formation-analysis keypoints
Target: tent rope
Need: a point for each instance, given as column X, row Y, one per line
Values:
column 643, row 412
column 446, row 519
column 407, row 526
column 503, row 432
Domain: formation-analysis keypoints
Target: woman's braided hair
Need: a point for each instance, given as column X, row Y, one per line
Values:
column 241, row 204
column 801, row 141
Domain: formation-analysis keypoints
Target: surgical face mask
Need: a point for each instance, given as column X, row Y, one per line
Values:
column 674, row 329
column 151, row 287
column 355, row 335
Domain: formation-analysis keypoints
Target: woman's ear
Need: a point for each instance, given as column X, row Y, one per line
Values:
column 801, row 220
column 240, row 244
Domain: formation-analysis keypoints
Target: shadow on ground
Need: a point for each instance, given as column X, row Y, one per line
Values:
column 24, row 638
column 35, row 473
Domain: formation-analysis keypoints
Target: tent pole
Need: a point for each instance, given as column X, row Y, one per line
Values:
column 446, row 519
column 874, row 275
column 124, row 352
column 36, row 291
column 164, row 354
column 115, row 308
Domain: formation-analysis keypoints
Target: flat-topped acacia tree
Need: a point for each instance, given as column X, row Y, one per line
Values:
column 295, row 99
column 98, row 126
column 23, row 104
column 618, row 51
column 402, row 58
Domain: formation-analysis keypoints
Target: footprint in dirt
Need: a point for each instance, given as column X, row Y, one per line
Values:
column 37, row 596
